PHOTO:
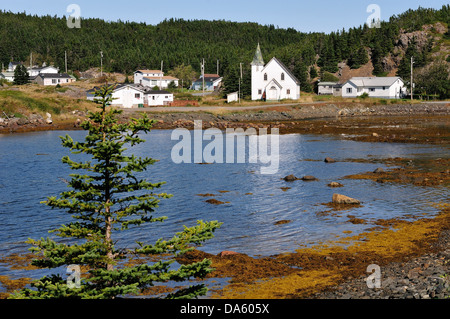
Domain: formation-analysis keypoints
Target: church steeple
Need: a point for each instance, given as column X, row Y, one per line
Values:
column 258, row 58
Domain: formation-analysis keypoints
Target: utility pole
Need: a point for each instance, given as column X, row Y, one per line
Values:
column 240, row 78
column 412, row 78
column 101, row 63
column 203, row 76
column 160, row 75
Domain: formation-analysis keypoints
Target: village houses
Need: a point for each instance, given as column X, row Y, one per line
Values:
column 129, row 95
column 377, row 87
column 152, row 78
column 212, row 82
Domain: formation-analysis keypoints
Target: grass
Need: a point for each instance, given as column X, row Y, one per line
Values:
column 21, row 101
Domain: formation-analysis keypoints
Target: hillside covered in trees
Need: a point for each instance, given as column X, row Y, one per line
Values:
column 128, row 46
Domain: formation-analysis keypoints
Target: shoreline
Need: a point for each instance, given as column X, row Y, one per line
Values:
column 283, row 116
column 422, row 251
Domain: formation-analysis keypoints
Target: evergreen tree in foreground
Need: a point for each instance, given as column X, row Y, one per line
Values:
column 105, row 199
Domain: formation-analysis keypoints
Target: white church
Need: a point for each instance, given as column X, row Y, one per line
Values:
column 272, row 81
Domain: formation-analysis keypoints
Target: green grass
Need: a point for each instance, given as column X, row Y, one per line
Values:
column 33, row 104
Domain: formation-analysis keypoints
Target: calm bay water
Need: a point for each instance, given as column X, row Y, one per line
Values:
column 31, row 170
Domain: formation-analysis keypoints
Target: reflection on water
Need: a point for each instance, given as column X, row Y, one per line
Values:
column 31, row 169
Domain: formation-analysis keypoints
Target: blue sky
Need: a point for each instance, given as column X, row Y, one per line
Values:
column 306, row 16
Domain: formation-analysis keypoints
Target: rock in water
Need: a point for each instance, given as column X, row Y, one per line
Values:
column 335, row 184
column 342, row 199
column 330, row 160
column 290, row 178
column 378, row 170
column 309, row 178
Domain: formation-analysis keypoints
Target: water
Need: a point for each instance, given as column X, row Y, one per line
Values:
column 31, row 170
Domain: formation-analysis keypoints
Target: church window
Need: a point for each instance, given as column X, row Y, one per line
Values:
column 265, row 76
column 282, row 76
column 288, row 91
column 259, row 91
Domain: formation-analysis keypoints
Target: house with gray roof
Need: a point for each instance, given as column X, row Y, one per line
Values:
column 377, row 87
column 329, row 88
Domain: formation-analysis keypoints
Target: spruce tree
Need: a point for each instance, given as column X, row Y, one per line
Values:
column 21, row 75
column 106, row 198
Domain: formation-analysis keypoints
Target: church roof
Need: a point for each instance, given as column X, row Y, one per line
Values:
column 281, row 64
column 258, row 58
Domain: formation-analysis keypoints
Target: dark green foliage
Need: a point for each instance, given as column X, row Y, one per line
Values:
column 21, row 75
column 434, row 80
column 185, row 43
column 328, row 77
column 358, row 58
column 108, row 196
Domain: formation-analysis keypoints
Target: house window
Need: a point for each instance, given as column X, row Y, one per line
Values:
column 282, row 76
column 349, row 90
column 54, row 81
column 265, row 76
column 288, row 91
column 384, row 88
column 371, row 89
column 259, row 91
column 137, row 96
column 153, row 98
column 359, row 90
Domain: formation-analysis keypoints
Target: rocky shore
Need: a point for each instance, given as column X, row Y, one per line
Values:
column 425, row 277
column 283, row 117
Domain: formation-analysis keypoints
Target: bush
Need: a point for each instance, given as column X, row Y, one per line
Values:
column 364, row 96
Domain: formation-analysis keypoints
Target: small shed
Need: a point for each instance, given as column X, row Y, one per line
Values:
column 232, row 97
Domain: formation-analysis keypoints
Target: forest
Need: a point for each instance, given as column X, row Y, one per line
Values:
column 128, row 46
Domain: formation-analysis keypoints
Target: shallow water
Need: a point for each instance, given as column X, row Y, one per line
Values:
column 31, row 170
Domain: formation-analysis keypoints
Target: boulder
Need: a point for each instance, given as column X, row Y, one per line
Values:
column 309, row 178
column 342, row 199
column 378, row 170
column 290, row 178
column 335, row 184
column 329, row 160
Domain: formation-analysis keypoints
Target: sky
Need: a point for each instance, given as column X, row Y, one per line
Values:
column 306, row 16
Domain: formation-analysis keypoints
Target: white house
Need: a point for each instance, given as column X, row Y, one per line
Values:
column 158, row 98
column 140, row 74
column 153, row 78
column 7, row 75
column 53, row 78
column 136, row 95
column 161, row 81
column 12, row 66
column 129, row 95
column 378, row 87
column 32, row 72
column 273, row 81
column 329, row 88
